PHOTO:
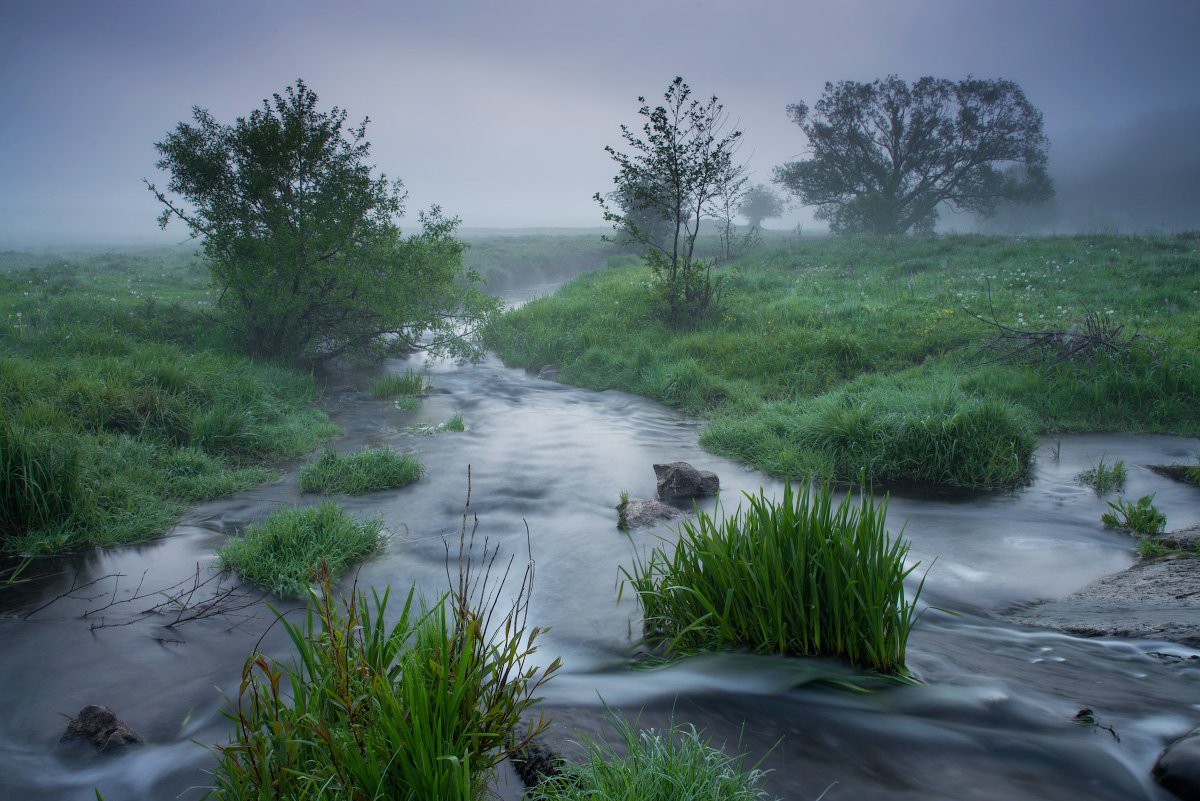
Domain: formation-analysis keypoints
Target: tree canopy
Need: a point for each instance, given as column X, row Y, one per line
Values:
column 759, row 204
column 671, row 177
column 303, row 240
column 885, row 154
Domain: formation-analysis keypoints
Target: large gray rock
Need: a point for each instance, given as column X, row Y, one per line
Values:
column 99, row 726
column 1178, row 767
column 681, row 480
column 639, row 514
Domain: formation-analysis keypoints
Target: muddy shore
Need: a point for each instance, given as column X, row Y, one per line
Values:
column 1154, row 599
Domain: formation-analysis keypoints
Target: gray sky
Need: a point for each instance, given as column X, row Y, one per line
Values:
column 499, row 111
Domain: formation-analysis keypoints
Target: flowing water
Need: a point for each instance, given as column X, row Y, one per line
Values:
column 991, row 720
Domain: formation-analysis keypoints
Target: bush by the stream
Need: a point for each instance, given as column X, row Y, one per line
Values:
column 799, row 576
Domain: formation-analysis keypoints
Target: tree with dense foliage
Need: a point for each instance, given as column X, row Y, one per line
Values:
column 885, row 154
column 675, row 173
column 760, row 203
column 303, row 239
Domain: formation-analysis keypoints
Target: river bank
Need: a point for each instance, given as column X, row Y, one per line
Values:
column 1156, row 598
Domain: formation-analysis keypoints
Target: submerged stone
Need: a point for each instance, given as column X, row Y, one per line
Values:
column 1178, row 767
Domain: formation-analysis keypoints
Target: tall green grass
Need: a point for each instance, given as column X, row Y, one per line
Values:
column 422, row 709
column 655, row 766
column 926, row 432
column 285, row 552
column 800, row 576
column 39, row 478
column 119, row 404
column 368, row 470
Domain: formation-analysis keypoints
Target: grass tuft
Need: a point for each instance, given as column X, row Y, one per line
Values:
column 285, row 551
column 407, row 384
column 797, row 577
column 368, row 470
column 455, row 423
column 1104, row 478
column 655, row 766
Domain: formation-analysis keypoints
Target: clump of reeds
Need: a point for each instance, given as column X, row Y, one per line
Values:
column 800, row 576
column 409, row 383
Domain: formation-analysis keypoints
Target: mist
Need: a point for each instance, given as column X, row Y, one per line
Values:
column 501, row 114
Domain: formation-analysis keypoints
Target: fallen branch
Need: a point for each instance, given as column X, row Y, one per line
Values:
column 1098, row 334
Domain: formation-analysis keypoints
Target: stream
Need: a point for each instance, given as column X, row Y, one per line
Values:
column 991, row 718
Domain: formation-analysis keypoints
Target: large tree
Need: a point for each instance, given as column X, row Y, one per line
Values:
column 303, row 239
column 759, row 204
column 885, row 154
column 673, row 176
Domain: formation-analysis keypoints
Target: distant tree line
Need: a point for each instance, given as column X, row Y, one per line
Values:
column 885, row 156
column 309, row 261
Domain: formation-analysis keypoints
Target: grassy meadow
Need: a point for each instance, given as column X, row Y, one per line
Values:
column 841, row 356
column 120, row 401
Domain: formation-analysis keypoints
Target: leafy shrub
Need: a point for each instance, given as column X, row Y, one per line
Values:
column 655, row 766
column 422, row 710
column 1104, row 478
column 369, row 470
column 285, row 551
column 1141, row 517
column 795, row 577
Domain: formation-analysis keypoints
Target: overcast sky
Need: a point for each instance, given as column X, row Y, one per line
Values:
column 499, row 111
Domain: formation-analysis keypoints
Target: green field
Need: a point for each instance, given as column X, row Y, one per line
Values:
column 120, row 402
column 838, row 356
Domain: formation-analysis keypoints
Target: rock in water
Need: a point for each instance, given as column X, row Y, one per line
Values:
column 100, row 726
column 681, row 480
column 1178, row 767
column 549, row 372
column 639, row 514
